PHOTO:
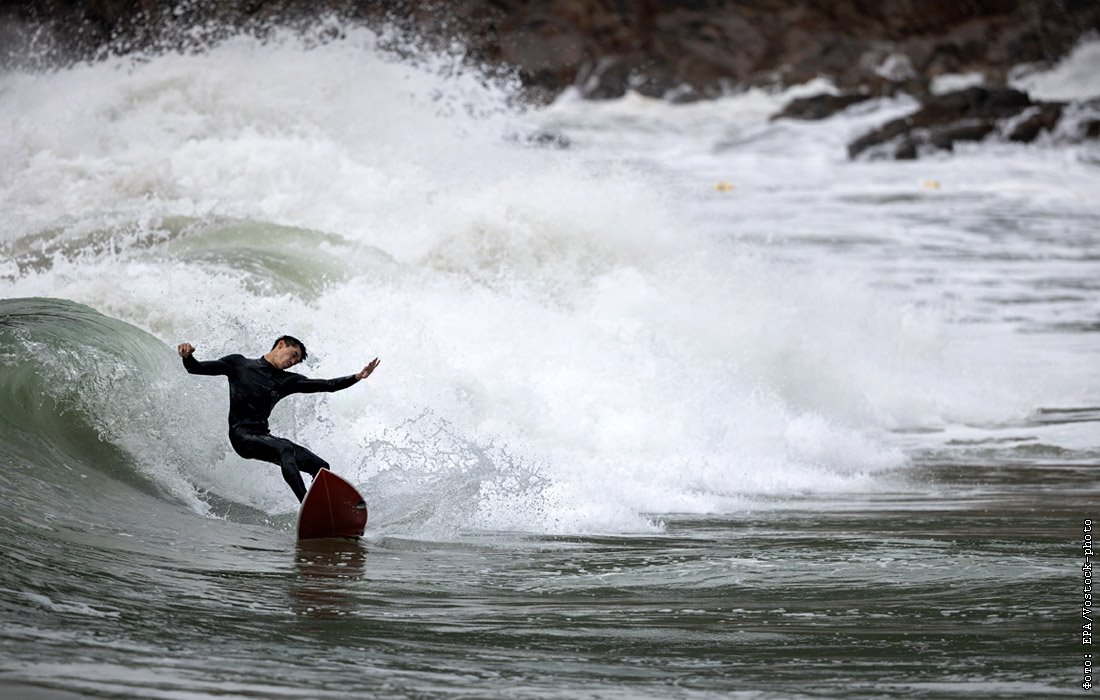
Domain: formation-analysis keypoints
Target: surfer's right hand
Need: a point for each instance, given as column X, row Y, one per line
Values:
column 185, row 349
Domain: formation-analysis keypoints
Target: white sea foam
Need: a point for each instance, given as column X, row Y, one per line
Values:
column 1074, row 78
column 950, row 82
column 571, row 340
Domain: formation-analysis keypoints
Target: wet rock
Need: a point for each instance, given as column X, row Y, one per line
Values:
column 819, row 106
column 1033, row 121
column 945, row 137
column 966, row 115
column 912, row 144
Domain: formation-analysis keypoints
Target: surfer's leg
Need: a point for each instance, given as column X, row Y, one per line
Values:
column 269, row 448
column 308, row 462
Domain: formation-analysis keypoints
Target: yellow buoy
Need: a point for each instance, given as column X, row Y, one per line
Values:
column 724, row 187
column 930, row 184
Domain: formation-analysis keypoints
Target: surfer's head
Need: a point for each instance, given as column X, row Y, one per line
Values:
column 286, row 352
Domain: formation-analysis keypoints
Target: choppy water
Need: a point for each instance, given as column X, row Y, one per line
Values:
column 827, row 429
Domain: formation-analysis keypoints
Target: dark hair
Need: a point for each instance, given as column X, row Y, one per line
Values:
column 291, row 340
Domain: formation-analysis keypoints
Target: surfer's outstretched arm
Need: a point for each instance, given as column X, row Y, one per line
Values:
column 305, row 385
column 209, row 367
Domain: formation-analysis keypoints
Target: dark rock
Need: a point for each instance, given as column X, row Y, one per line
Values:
column 965, row 115
column 1034, row 121
column 975, row 102
column 610, row 77
column 976, row 114
column 973, row 130
column 818, row 106
column 547, row 47
column 912, row 144
column 892, row 131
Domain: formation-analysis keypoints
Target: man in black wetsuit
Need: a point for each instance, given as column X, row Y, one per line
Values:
column 255, row 386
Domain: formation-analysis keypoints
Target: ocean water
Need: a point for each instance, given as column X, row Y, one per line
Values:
column 690, row 407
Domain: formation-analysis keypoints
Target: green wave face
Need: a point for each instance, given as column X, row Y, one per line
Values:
column 75, row 386
column 267, row 257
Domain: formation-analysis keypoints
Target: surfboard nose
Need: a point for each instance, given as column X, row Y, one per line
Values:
column 332, row 508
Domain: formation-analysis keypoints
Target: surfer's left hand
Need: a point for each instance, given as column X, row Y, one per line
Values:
column 365, row 372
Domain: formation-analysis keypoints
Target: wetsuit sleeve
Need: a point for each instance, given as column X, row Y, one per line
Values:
column 305, row 385
column 210, row 367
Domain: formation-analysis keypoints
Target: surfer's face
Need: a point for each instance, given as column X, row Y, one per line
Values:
column 284, row 356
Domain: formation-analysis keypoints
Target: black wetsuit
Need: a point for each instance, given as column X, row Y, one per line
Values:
column 255, row 386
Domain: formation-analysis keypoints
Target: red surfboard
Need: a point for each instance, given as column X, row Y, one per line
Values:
column 332, row 508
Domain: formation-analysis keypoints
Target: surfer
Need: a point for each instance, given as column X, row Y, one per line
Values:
column 255, row 386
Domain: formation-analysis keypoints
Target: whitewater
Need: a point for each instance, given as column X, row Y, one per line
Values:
column 665, row 389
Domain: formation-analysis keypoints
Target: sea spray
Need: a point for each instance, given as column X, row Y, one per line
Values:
column 564, row 350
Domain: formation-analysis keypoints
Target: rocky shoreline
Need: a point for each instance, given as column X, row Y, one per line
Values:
column 975, row 114
column 680, row 50
column 972, row 114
